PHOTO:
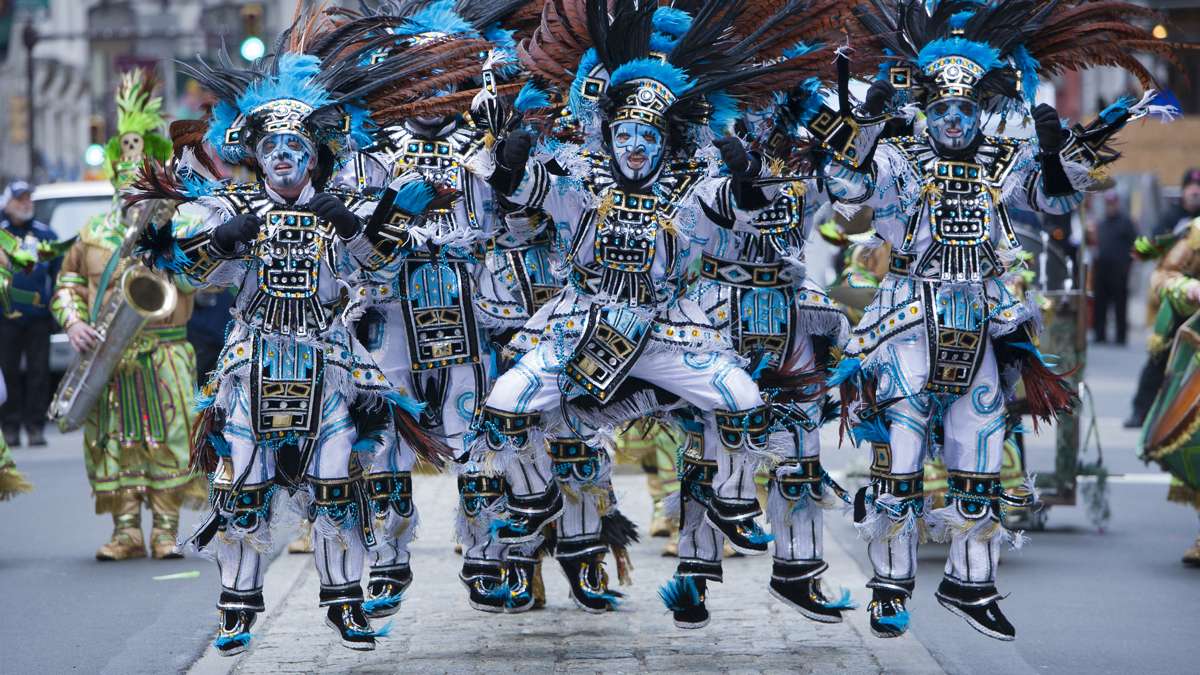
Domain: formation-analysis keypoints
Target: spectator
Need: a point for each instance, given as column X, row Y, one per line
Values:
column 1173, row 224
column 27, row 335
column 206, row 328
column 1115, row 236
column 1179, row 215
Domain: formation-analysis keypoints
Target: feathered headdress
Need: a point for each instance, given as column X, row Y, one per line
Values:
column 140, row 126
column 678, row 68
column 323, row 96
column 471, row 31
column 996, row 51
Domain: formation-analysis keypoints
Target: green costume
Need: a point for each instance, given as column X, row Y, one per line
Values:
column 135, row 440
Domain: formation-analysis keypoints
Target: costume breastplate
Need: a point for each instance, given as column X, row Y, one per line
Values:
column 291, row 249
column 626, row 235
column 960, row 198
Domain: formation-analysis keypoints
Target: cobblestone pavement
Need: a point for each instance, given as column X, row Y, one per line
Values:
column 436, row 631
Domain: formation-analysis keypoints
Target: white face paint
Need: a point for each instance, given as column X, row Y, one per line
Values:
column 953, row 122
column 638, row 149
column 286, row 159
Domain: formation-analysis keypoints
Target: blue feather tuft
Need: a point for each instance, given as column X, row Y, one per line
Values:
column 673, row 77
column 958, row 20
column 899, row 621
column 240, row 638
column 846, row 369
column 385, row 602
column 800, row 49
column 531, row 97
column 437, row 17
column 294, row 80
column 843, row 601
column 680, row 593
column 987, row 56
column 807, row 96
column 408, row 404
column 1028, row 67
column 363, row 444
column 413, row 197
column 1119, row 109
column 203, row 402
column 672, row 21
column 758, row 536
column 725, row 112
column 361, row 126
column 221, row 447
column 872, row 430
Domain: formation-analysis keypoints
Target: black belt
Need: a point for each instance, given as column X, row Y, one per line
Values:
column 744, row 274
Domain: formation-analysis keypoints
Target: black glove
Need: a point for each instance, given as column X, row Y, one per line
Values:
column 514, row 151
column 741, row 164
column 240, row 228
column 1049, row 130
column 330, row 208
column 743, row 168
column 511, row 158
column 878, row 96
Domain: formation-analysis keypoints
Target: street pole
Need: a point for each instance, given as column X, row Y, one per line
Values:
column 29, row 36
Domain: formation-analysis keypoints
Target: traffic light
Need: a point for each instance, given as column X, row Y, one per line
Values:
column 252, row 47
column 93, row 155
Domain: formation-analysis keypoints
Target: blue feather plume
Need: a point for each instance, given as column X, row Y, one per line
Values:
column 680, row 593
column 436, row 17
column 1119, row 108
column 673, row 77
column 987, row 56
column 872, row 430
column 845, row 370
column 531, row 97
column 408, row 404
column 843, row 601
column 1028, row 67
column 413, row 197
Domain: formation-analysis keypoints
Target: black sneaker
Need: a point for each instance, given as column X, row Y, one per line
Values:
column 979, row 606
column 744, row 536
column 684, row 596
column 233, row 635
column 486, row 588
column 589, row 585
column 385, row 592
column 805, row 596
column 888, row 612
column 348, row 619
column 12, row 437
column 527, row 516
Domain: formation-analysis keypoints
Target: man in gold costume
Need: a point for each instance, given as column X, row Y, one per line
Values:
column 136, row 438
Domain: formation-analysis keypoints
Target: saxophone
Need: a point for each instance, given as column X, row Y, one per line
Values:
column 141, row 296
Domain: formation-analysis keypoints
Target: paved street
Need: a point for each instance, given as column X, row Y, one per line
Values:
column 1082, row 601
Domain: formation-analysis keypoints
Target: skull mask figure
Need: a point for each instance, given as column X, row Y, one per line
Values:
column 132, row 148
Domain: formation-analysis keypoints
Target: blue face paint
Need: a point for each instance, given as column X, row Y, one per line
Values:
column 953, row 122
column 285, row 159
column 637, row 148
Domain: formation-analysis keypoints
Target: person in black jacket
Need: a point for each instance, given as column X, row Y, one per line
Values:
column 1115, row 236
column 27, row 334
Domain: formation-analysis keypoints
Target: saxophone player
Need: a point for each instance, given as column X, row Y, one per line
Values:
column 136, row 438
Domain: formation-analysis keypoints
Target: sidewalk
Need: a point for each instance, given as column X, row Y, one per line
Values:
column 437, row 632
